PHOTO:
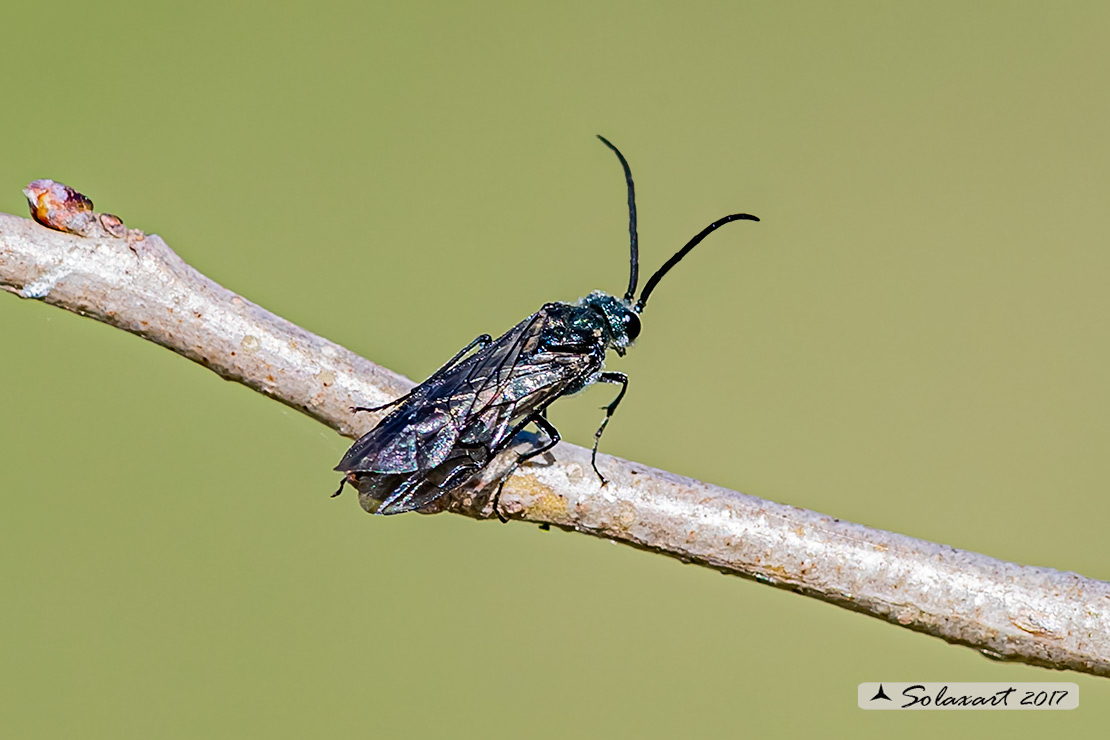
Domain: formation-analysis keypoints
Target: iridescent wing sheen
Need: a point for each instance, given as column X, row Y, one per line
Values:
column 398, row 493
column 414, row 437
column 451, row 427
column 420, row 433
column 510, row 381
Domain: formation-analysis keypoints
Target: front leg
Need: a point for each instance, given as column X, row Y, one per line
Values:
column 608, row 378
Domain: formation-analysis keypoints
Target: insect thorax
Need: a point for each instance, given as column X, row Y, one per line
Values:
column 619, row 322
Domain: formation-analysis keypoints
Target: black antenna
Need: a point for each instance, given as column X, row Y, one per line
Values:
column 654, row 279
column 634, row 273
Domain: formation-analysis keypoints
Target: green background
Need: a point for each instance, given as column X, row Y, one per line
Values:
column 914, row 338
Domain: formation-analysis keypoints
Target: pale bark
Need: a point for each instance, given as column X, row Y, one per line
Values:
column 1007, row 611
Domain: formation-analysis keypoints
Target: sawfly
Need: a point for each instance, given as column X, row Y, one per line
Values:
column 446, row 430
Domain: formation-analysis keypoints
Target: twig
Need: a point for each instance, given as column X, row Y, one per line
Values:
column 1007, row 611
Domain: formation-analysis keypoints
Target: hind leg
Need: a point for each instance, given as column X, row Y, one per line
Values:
column 545, row 426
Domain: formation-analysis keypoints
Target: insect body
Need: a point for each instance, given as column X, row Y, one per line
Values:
column 450, row 427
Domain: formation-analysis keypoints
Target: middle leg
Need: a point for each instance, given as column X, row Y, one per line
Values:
column 545, row 426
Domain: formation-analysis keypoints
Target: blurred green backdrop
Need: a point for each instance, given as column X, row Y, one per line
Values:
column 914, row 338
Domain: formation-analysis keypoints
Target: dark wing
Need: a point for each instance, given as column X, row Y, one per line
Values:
column 479, row 405
column 500, row 388
column 528, row 389
column 421, row 432
column 417, row 436
column 395, row 493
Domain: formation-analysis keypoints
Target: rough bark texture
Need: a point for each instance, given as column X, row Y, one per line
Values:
column 1007, row 611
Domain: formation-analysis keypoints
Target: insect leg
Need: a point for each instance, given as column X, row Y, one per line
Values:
column 479, row 342
column 608, row 378
column 545, row 426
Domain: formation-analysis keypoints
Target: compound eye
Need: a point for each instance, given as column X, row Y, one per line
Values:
column 632, row 326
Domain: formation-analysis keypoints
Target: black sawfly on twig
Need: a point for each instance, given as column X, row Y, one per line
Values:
column 446, row 430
